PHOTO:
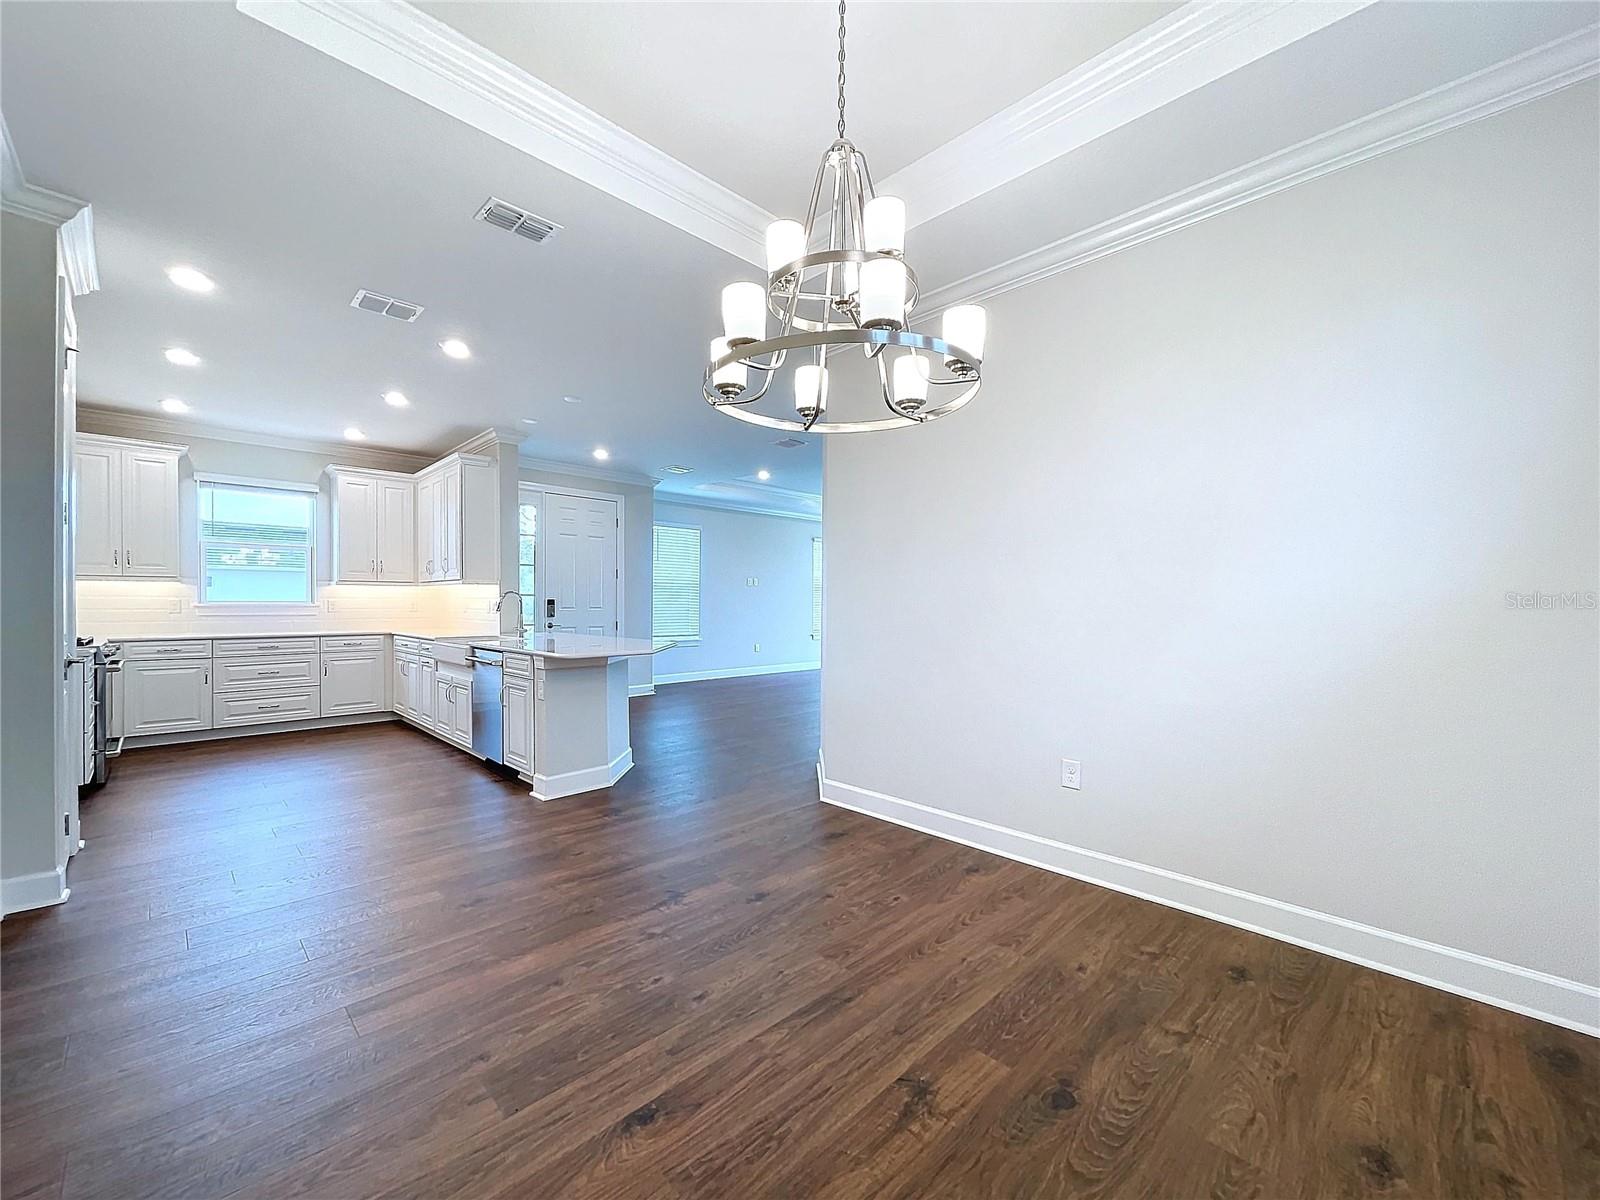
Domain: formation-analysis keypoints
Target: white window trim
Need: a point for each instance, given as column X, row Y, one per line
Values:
column 700, row 568
column 255, row 607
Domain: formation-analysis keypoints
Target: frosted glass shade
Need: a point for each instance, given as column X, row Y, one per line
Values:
column 744, row 313
column 910, row 381
column 786, row 241
column 729, row 380
column 883, row 293
column 810, row 389
column 883, row 224
column 965, row 326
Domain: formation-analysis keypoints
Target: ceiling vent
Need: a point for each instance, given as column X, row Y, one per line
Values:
column 788, row 443
column 387, row 306
column 516, row 220
column 675, row 469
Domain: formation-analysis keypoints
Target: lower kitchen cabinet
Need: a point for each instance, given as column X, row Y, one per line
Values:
column 516, row 724
column 165, row 696
column 452, row 708
column 256, row 708
column 352, row 682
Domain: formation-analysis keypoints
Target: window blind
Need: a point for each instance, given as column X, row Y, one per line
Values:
column 675, row 582
column 816, row 587
column 255, row 544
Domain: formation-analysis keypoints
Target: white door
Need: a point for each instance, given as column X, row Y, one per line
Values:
column 397, row 539
column 581, row 564
column 150, row 514
column 352, row 682
column 97, row 510
column 427, row 519
column 356, row 548
column 162, row 697
column 516, row 726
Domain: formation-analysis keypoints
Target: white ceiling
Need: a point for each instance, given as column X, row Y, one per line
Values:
column 203, row 136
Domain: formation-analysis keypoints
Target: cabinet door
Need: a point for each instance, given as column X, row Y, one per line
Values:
column 402, row 686
column 352, row 682
column 444, row 696
column 150, row 514
column 450, row 523
column 516, row 726
column 97, row 510
column 397, row 539
column 427, row 521
column 422, row 693
column 461, row 714
column 163, row 697
column 355, row 529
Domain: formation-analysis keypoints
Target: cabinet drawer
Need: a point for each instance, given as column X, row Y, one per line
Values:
column 255, row 708
column 254, row 674
column 235, row 647
column 413, row 645
column 188, row 649
column 517, row 664
column 364, row 642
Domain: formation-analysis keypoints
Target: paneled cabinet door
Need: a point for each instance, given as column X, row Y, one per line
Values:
column 427, row 521
column 444, row 696
column 461, row 714
column 402, row 685
column 516, row 726
column 355, row 529
column 422, row 704
column 164, row 697
column 150, row 515
column 352, row 683
column 450, row 524
column 97, row 506
column 397, row 538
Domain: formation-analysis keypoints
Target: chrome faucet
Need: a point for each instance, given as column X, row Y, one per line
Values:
column 522, row 628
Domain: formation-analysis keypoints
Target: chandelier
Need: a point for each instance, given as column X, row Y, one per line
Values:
column 857, row 291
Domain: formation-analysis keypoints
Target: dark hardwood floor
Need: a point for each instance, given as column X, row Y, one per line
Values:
column 356, row 964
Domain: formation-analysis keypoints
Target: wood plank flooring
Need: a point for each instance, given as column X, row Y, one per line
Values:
column 357, row 964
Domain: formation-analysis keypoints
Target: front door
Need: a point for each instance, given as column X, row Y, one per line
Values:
column 580, row 564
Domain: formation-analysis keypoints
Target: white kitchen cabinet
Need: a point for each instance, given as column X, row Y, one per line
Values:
column 352, row 682
column 516, row 724
column 452, row 708
column 427, row 530
column 125, row 508
column 165, row 696
column 374, row 539
column 422, row 698
column 457, row 521
column 397, row 546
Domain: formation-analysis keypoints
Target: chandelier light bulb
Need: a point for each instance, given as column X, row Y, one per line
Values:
column 911, row 381
column 883, row 293
column 883, row 224
column 965, row 327
column 729, row 380
column 744, row 313
column 810, row 390
column 786, row 241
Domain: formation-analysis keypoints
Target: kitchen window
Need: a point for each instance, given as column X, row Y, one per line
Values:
column 675, row 583
column 256, row 543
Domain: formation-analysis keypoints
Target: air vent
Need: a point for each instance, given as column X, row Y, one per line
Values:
column 387, row 306
column 788, row 443
column 516, row 220
column 674, row 469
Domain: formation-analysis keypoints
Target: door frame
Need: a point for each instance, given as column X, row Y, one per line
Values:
column 538, row 491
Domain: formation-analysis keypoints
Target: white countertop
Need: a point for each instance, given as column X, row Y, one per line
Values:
column 565, row 645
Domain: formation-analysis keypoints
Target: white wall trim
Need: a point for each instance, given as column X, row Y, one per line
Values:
column 1564, row 1002
column 428, row 60
column 590, row 779
column 734, row 506
column 1518, row 80
column 306, row 724
column 21, row 893
column 75, row 241
column 641, row 689
column 1160, row 63
column 737, row 672
column 74, row 219
column 584, row 471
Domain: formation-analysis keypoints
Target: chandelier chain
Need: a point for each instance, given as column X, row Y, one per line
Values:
column 841, row 70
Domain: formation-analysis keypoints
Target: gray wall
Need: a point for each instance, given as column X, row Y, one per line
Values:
column 734, row 617
column 1234, row 522
column 31, row 675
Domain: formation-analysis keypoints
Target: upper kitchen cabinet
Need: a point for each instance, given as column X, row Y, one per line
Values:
column 373, row 526
column 457, row 521
column 125, row 504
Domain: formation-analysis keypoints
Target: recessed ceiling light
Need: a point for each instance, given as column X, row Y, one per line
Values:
column 602, row 453
column 763, row 474
column 396, row 400
column 573, row 399
column 352, row 434
column 173, row 405
column 179, row 357
column 190, row 280
column 676, row 469
column 456, row 348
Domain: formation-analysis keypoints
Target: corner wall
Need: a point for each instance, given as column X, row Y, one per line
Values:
column 1242, row 520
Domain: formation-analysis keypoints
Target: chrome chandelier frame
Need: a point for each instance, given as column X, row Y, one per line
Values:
column 816, row 300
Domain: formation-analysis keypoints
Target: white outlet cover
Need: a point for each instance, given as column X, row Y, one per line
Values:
column 1071, row 774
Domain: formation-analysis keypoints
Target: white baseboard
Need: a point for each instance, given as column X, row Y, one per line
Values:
column 238, row 731
column 39, row 890
column 1564, row 1002
column 590, row 779
column 641, row 689
column 737, row 672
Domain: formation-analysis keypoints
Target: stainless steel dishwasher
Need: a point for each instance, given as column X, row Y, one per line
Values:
column 487, row 668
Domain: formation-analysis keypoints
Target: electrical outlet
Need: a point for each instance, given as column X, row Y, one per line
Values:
column 756, row 647
column 1071, row 773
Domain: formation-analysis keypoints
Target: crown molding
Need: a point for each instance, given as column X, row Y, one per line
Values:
column 76, row 242
column 74, row 220
column 425, row 58
column 583, row 470
column 1163, row 62
column 1518, row 80
column 734, row 506
column 122, row 423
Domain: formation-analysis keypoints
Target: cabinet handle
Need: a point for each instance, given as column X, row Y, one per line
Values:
column 266, row 673
column 206, row 678
column 114, row 561
column 372, row 565
column 267, row 707
column 380, row 566
column 127, row 558
column 324, row 670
